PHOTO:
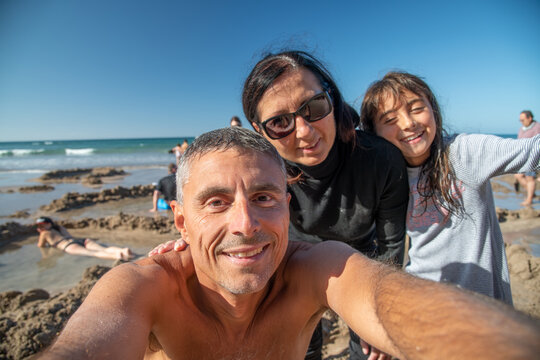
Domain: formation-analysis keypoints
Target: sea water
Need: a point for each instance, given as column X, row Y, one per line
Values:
column 39, row 156
column 144, row 160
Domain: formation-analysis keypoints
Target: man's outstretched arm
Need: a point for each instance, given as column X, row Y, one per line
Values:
column 113, row 322
column 419, row 319
column 429, row 320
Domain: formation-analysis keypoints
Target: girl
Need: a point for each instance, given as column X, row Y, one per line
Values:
column 451, row 219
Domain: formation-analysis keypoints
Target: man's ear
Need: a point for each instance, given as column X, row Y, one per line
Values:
column 179, row 220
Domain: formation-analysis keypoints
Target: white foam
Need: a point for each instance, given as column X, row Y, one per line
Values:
column 48, row 142
column 24, row 152
column 80, row 152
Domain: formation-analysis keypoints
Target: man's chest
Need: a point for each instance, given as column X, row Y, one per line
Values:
column 270, row 335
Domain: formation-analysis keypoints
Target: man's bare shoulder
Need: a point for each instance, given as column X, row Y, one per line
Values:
column 160, row 273
column 172, row 264
column 319, row 257
column 305, row 251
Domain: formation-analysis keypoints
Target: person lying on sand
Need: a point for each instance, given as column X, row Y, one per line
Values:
column 54, row 235
column 241, row 290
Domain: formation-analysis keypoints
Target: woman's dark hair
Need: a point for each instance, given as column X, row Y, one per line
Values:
column 46, row 219
column 272, row 66
column 437, row 179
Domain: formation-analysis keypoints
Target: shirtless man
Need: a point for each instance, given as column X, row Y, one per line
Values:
column 53, row 235
column 242, row 291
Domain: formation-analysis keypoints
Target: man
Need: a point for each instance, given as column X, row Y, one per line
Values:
column 167, row 187
column 529, row 129
column 242, row 291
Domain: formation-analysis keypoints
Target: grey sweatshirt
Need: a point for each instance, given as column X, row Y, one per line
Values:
column 468, row 250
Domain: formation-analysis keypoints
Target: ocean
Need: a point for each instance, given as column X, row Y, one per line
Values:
column 144, row 160
column 40, row 156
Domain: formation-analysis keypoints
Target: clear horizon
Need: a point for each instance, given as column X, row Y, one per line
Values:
column 132, row 69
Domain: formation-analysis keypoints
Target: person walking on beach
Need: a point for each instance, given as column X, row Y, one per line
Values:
column 166, row 187
column 54, row 235
column 241, row 290
column 529, row 128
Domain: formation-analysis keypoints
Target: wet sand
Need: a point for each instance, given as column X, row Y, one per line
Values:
column 31, row 318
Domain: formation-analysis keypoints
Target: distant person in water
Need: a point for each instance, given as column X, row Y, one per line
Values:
column 235, row 121
column 178, row 150
column 529, row 128
column 165, row 187
column 54, row 235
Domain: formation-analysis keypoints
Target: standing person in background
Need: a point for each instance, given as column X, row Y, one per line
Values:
column 167, row 187
column 235, row 121
column 184, row 147
column 528, row 129
column 177, row 151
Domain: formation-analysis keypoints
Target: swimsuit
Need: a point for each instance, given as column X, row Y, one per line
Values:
column 70, row 241
column 74, row 241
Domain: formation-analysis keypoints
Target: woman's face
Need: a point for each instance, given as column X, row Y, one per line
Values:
column 310, row 143
column 409, row 126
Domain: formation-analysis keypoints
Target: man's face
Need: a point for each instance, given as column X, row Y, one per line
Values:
column 235, row 217
column 525, row 120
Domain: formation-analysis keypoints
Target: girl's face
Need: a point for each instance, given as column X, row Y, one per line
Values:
column 411, row 126
column 310, row 143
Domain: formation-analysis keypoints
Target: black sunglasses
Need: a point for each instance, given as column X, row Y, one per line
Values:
column 314, row 109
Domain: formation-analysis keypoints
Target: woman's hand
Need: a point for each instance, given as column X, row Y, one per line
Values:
column 375, row 353
column 176, row 245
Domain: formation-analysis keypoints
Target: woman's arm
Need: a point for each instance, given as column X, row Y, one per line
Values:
column 42, row 241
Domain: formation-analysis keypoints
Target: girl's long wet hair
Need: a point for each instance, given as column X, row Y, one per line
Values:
column 437, row 179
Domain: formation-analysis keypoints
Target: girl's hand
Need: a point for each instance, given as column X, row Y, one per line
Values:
column 176, row 245
column 375, row 353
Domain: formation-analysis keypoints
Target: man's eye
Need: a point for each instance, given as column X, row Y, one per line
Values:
column 389, row 120
column 216, row 203
column 417, row 109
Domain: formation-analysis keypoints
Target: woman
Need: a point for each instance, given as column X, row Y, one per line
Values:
column 53, row 235
column 349, row 186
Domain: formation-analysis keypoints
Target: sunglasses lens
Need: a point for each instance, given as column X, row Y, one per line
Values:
column 280, row 126
column 314, row 109
column 317, row 108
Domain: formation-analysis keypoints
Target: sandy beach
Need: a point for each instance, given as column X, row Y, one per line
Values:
column 41, row 288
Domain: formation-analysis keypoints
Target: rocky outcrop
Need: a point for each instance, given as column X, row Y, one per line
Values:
column 76, row 200
column 30, row 321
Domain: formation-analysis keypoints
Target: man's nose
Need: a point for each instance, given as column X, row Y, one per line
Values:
column 243, row 219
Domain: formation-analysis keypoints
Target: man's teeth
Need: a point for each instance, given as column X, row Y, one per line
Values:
column 246, row 254
column 410, row 138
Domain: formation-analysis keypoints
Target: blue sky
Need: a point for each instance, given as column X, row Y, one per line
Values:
column 121, row 69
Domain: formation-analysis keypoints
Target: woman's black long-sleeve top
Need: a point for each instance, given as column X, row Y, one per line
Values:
column 356, row 196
